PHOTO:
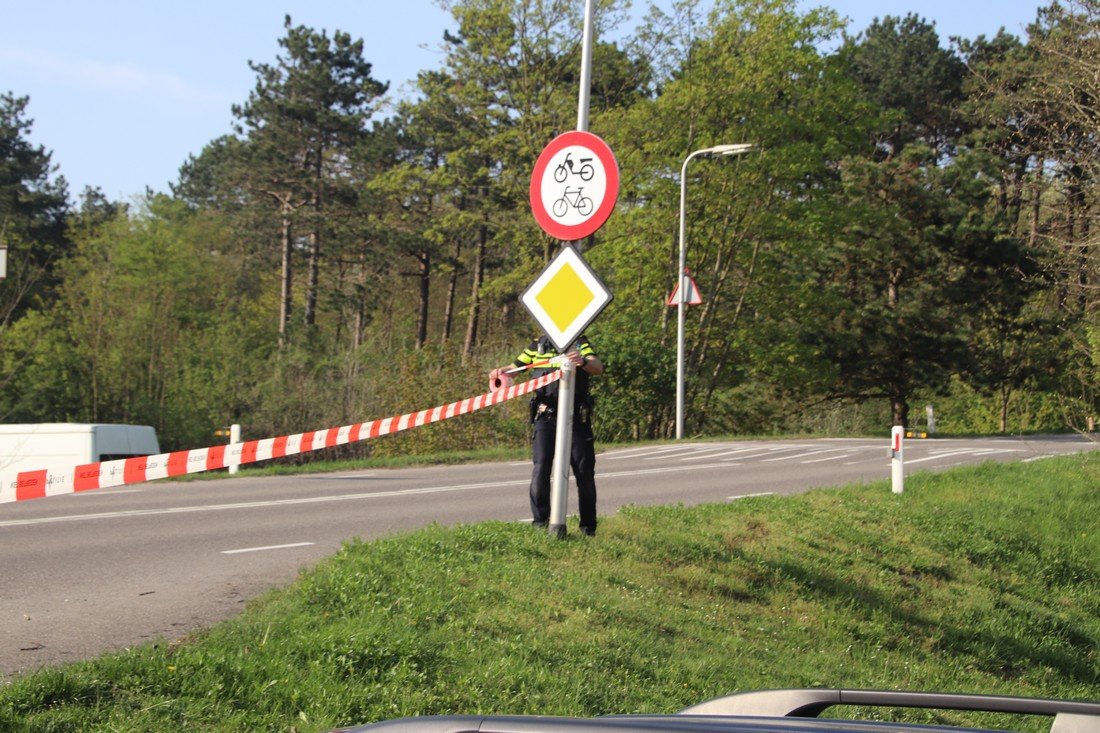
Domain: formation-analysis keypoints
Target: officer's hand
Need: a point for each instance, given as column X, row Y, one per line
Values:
column 575, row 358
column 500, row 378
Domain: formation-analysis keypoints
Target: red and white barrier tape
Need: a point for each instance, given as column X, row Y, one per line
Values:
column 104, row 474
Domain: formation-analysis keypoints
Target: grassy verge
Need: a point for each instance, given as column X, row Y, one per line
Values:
column 982, row 580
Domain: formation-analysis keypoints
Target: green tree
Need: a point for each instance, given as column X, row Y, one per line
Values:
column 902, row 67
column 894, row 281
column 1041, row 100
column 508, row 83
column 753, row 74
column 33, row 207
column 163, row 327
column 306, row 115
column 1013, row 340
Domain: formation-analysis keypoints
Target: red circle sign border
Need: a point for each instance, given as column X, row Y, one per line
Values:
column 596, row 144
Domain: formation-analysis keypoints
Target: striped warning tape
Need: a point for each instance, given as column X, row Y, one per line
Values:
column 105, row 474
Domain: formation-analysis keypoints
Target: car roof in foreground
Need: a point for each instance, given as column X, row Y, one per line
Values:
column 782, row 711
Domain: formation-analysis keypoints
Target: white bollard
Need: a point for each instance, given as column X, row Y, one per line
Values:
column 897, row 459
column 234, row 438
column 930, row 417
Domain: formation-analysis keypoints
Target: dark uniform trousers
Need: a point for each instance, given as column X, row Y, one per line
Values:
column 582, row 460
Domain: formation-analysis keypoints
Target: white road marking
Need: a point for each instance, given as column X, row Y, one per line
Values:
column 801, row 455
column 632, row 452
column 725, row 453
column 268, row 547
column 831, row 458
column 939, row 456
column 746, row 496
column 769, row 452
column 693, row 455
column 691, row 450
column 667, row 469
column 622, row 451
column 342, row 477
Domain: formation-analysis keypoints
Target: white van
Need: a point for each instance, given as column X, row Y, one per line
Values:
column 60, row 446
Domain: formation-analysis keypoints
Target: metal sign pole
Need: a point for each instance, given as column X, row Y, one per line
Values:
column 563, row 437
column 586, row 67
column 563, row 449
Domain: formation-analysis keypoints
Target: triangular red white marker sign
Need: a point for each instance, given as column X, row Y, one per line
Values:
column 693, row 297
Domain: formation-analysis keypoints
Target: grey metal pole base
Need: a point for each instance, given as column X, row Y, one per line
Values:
column 563, row 447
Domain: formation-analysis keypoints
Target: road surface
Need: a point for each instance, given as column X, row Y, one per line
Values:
column 87, row 573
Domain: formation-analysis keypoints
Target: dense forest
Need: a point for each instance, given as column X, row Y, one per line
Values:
column 916, row 224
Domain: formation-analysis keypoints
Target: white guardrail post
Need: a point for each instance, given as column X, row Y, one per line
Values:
column 234, row 438
column 897, row 459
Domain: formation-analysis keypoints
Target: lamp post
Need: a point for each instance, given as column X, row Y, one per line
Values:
column 716, row 151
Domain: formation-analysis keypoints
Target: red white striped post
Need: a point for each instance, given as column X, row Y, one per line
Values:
column 897, row 459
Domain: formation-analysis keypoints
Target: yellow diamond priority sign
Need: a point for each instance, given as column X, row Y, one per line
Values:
column 566, row 297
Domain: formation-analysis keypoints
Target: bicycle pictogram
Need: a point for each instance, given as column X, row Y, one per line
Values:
column 573, row 197
column 574, row 185
column 585, row 170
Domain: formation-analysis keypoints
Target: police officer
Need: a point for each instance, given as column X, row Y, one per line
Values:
column 544, row 408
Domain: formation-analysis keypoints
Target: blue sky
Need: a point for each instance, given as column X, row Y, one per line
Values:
column 122, row 91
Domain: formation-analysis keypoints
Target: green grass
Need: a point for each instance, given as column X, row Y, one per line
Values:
column 984, row 579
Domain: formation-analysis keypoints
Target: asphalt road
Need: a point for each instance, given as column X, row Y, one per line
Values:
column 87, row 573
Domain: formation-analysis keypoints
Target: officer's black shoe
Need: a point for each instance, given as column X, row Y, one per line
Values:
column 588, row 531
column 540, row 525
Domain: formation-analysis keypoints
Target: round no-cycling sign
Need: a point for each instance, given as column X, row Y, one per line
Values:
column 574, row 185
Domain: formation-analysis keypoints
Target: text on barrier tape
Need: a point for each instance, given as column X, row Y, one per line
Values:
column 105, row 474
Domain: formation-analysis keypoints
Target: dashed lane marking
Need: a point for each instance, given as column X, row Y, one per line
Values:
column 268, row 547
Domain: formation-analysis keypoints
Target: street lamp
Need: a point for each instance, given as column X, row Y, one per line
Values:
column 716, row 151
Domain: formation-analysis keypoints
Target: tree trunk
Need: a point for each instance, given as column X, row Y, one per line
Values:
column 424, row 259
column 1036, row 207
column 900, row 407
column 452, row 281
column 286, row 244
column 452, row 289
column 357, row 338
column 316, row 204
column 310, row 311
column 360, row 306
column 475, row 293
